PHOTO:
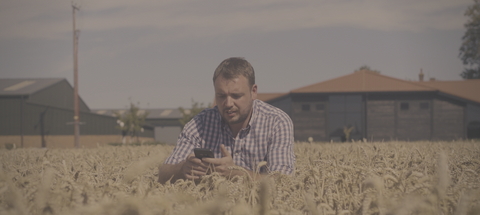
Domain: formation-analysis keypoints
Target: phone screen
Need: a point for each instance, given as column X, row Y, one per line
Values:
column 203, row 153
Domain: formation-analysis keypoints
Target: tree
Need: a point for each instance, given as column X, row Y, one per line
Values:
column 366, row 67
column 131, row 122
column 470, row 48
column 188, row 115
column 346, row 131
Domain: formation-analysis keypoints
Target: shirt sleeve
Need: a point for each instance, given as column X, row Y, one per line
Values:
column 188, row 140
column 281, row 157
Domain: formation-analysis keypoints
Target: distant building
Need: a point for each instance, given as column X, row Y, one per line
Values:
column 379, row 107
column 39, row 113
column 165, row 122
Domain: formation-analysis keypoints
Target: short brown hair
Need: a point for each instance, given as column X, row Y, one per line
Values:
column 234, row 67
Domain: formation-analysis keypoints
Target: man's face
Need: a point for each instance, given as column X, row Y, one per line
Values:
column 234, row 99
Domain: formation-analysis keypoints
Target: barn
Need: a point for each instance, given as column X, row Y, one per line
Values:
column 39, row 113
column 366, row 104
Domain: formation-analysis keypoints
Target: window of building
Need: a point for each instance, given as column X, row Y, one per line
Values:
column 320, row 106
column 424, row 105
column 306, row 107
column 404, row 106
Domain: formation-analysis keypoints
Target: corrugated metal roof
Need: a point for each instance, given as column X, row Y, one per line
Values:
column 25, row 86
column 166, row 112
column 162, row 113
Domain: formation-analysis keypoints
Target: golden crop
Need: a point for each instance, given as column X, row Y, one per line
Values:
column 330, row 178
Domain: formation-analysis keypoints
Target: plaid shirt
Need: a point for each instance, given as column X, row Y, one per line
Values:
column 268, row 137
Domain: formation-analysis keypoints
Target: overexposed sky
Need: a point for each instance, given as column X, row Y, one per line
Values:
column 163, row 53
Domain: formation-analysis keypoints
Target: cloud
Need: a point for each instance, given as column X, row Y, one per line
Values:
column 192, row 18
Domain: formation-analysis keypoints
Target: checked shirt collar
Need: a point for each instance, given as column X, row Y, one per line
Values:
column 244, row 131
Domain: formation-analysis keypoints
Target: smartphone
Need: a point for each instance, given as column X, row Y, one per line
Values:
column 203, row 153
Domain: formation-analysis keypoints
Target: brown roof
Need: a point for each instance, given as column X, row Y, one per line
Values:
column 363, row 81
column 368, row 81
column 467, row 89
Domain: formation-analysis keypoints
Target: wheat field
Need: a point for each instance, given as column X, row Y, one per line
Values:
column 330, row 178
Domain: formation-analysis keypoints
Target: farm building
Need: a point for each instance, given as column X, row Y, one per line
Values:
column 39, row 113
column 165, row 122
column 379, row 107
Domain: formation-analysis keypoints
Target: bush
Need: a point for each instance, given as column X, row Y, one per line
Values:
column 9, row 146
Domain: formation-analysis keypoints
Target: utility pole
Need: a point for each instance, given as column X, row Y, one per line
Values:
column 76, row 118
column 21, row 121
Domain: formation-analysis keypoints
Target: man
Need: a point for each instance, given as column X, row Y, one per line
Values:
column 241, row 132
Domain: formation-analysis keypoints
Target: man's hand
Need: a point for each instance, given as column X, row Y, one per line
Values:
column 193, row 168
column 220, row 165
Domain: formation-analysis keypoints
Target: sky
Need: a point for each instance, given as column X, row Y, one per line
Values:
column 162, row 54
